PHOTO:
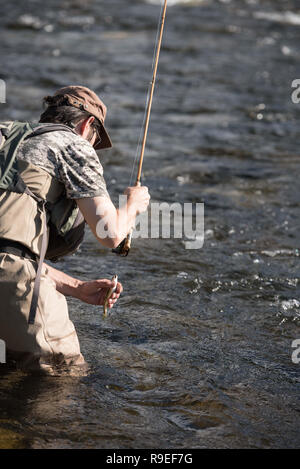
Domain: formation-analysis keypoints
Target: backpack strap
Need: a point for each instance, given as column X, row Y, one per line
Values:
column 45, row 128
column 22, row 188
column 37, row 281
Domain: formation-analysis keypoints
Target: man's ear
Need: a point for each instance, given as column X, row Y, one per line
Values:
column 83, row 127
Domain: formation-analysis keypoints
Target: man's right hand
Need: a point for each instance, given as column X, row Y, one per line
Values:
column 138, row 197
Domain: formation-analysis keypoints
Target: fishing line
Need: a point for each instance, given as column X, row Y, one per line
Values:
column 148, row 96
column 124, row 247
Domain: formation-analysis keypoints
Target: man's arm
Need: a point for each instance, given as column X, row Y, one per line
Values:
column 100, row 213
column 92, row 292
column 110, row 225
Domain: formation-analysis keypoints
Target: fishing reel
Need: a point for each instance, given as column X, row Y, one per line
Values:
column 124, row 247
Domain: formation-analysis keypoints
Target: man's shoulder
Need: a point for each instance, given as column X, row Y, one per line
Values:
column 61, row 140
column 60, row 135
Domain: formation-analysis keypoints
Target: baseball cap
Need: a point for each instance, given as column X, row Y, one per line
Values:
column 85, row 99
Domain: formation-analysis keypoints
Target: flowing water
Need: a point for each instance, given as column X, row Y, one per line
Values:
column 198, row 352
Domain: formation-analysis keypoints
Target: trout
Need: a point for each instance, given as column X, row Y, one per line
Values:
column 108, row 295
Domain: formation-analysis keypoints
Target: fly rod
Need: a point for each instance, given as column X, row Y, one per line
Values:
column 124, row 247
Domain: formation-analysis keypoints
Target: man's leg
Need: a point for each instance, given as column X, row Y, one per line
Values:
column 51, row 342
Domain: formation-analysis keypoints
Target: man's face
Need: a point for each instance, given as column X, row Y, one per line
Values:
column 88, row 131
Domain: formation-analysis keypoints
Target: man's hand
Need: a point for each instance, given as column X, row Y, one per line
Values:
column 139, row 197
column 93, row 292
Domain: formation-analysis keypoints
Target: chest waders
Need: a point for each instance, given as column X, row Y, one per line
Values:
column 61, row 224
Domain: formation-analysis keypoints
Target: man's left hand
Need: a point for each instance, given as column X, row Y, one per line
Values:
column 93, row 292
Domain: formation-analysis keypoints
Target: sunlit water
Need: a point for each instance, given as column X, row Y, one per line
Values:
column 198, row 351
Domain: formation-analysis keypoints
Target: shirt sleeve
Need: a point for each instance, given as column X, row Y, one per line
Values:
column 80, row 170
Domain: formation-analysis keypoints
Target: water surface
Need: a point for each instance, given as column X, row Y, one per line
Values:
column 197, row 354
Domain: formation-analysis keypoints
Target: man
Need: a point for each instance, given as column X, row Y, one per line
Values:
column 56, row 167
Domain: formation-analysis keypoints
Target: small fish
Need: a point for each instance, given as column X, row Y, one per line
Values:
column 108, row 295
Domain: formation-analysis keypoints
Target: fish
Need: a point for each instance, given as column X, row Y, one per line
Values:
column 108, row 295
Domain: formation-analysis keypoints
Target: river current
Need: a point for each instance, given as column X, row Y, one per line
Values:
column 198, row 351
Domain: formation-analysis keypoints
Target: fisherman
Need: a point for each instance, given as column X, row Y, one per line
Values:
column 55, row 184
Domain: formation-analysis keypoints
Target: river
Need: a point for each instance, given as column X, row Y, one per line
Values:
column 198, row 351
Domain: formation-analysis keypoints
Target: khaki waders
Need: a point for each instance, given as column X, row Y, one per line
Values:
column 51, row 341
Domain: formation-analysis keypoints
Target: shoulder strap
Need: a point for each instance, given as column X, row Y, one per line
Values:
column 37, row 282
column 23, row 188
column 40, row 129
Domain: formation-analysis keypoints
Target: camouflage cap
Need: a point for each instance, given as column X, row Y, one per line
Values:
column 85, row 99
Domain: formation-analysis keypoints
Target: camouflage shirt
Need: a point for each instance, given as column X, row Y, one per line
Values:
column 69, row 158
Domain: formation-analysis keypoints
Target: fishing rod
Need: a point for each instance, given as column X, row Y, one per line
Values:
column 124, row 247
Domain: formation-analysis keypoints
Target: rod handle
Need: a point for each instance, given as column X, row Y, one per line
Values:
column 124, row 247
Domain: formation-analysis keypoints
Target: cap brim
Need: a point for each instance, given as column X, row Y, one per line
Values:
column 105, row 140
